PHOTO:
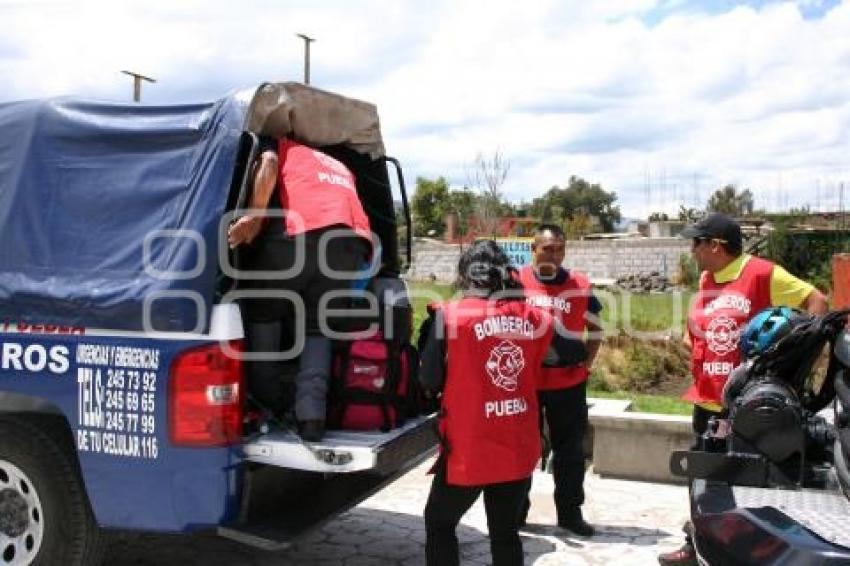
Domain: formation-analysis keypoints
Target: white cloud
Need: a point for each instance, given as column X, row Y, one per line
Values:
column 648, row 97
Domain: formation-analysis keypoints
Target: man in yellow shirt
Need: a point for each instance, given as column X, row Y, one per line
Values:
column 733, row 287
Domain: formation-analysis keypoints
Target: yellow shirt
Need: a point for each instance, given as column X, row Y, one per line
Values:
column 785, row 291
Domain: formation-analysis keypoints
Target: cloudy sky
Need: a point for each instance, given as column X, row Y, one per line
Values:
column 660, row 100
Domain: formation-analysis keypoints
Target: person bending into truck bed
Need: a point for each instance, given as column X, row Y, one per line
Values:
column 484, row 352
column 316, row 194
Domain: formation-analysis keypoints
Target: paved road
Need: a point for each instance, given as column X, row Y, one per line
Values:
column 635, row 521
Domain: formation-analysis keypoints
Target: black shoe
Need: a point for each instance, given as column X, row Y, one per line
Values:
column 312, row 431
column 684, row 556
column 575, row 523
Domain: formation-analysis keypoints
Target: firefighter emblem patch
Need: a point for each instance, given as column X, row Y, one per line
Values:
column 722, row 335
column 504, row 365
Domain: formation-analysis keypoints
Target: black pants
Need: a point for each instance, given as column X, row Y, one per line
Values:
column 448, row 503
column 277, row 252
column 565, row 411
column 699, row 424
column 269, row 318
column 700, row 418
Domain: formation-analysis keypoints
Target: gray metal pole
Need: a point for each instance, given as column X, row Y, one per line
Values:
column 307, row 42
column 307, row 63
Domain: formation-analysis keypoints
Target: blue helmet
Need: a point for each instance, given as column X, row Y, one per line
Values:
column 766, row 328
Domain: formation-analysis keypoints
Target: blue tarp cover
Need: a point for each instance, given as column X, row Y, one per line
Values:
column 84, row 185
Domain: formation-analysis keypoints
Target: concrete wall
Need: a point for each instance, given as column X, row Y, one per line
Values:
column 433, row 259
column 600, row 259
column 637, row 446
column 612, row 258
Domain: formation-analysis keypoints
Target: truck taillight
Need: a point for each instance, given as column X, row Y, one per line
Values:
column 205, row 397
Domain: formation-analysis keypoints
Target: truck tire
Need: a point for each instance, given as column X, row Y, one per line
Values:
column 45, row 517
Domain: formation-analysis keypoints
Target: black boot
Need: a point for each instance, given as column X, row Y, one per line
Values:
column 573, row 521
column 312, row 431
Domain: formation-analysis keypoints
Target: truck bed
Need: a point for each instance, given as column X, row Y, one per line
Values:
column 290, row 487
column 343, row 451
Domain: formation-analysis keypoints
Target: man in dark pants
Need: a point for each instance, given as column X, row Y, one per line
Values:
column 562, row 391
column 733, row 287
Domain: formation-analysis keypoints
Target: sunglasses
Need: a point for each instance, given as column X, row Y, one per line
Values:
column 698, row 241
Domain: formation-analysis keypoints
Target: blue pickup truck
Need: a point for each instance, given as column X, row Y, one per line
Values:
column 122, row 404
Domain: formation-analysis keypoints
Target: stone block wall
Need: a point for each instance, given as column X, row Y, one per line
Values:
column 434, row 260
column 613, row 258
column 597, row 258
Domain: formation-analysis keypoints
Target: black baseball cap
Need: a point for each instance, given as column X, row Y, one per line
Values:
column 716, row 226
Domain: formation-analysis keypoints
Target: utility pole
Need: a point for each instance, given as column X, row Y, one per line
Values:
column 817, row 193
column 695, row 193
column 137, row 84
column 307, row 42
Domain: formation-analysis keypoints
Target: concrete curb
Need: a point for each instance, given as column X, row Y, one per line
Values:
column 635, row 446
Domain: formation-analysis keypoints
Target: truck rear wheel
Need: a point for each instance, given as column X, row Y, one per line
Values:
column 45, row 516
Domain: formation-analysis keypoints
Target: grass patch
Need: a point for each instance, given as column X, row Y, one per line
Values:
column 423, row 293
column 649, row 366
column 641, row 403
column 661, row 313
column 641, row 366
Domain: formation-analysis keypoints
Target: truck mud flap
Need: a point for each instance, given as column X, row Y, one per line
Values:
column 282, row 503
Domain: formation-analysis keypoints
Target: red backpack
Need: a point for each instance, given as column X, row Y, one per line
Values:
column 373, row 385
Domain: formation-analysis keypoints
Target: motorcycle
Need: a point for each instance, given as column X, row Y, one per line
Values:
column 770, row 483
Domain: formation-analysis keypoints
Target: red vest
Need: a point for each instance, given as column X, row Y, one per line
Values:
column 317, row 191
column 568, row 301
column 717, row 317
column 489, row 418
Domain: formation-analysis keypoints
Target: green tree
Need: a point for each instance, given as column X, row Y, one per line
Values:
column 806, row 254
column 580, row 225
column 562, row 205
column 659, row 217
column 687, row 214
column 429, row 205
column 800, row 213
column 729, row 201
column 464, row 203
column 507, row 209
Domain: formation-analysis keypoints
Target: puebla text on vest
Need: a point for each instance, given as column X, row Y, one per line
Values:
column 505, row 407
column 334, row 179
column 717, row 368
column 503, row 325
